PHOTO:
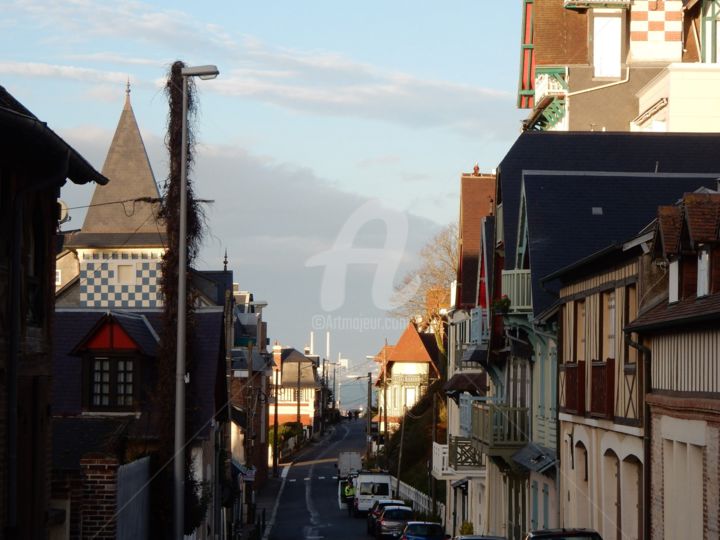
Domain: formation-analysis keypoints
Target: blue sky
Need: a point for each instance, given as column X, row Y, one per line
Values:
column 319, row 107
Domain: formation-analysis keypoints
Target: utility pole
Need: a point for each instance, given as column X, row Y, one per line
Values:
column 385, row 404
column 433, row 485
column 299, row 365
column 334, row 389
column 369, row 415
column 323, row 396
column 275, row 425
column 250, row 416
column 402, row 440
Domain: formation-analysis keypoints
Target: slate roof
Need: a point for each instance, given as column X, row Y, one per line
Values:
column 205, row 359
column 127, row 165
column 687, row 311
column 260, row 362
column 598, row 151
column 473, row 383
column 563, row 227
column 293, row 360
column 212, row 284
column 74, row 437
column 23, row 138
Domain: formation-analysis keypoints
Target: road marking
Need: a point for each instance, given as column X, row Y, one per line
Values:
column 334, row 477
column 306, row 479
column 321, row 478
column 270, row 523
column 292, row 479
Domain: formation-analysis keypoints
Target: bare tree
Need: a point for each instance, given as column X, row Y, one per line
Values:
column 437, row 270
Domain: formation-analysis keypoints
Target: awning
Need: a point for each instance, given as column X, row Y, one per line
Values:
column 461, row 484
column 475, row 354
column 535, row 457
column 473, row 383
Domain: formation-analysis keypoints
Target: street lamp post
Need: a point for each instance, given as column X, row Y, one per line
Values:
column 204, row 72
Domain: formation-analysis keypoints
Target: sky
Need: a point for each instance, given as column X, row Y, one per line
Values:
column 325, row 114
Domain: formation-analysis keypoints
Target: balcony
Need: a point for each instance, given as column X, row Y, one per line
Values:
column 463, row 456
column 602, row 390
column 440, row 464
column 465, row 406
column 550, row 82
column 516, row 286
column 479, row 327
column 499, row 430
column 572, row 387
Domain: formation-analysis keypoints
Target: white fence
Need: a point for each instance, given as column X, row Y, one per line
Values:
column 420, row 501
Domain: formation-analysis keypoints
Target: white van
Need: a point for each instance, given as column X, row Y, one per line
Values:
column 370, row 487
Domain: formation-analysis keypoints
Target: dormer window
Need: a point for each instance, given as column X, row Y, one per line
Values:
column 703, row 273
column 674, row 283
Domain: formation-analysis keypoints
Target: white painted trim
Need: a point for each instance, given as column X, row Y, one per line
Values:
column 602, row 424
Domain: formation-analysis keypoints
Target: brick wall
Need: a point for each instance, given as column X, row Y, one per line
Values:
column 99, row 501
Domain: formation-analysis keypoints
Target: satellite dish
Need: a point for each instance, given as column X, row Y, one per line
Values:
column 64, row 215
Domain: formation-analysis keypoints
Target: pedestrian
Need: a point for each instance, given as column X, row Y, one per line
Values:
column 350, row 496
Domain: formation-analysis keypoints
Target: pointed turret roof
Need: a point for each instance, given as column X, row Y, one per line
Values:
column 109, row 223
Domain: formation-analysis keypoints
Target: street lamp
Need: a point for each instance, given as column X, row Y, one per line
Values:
column 203, row 72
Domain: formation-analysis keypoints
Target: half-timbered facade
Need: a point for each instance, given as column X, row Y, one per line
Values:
column 678, row 335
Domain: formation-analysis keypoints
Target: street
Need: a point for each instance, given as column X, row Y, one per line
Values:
column 308, row 505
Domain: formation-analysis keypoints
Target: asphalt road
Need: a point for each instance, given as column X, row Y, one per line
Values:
column 308, row 507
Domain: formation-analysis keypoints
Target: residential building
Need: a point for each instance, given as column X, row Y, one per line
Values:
column 590, row 65
column 296, row 389
column 406, row 370
column 546, row 175
column 106, row 412
column 34, row 163
column 456, row 461
column 677, row 337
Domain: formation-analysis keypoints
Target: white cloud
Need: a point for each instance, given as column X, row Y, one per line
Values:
column 36, row 69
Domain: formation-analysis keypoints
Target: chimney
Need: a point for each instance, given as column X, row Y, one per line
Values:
column 277, row 355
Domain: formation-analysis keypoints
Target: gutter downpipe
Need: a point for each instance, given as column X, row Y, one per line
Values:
column 647, row 438
column 16, row 315
column 602, row 86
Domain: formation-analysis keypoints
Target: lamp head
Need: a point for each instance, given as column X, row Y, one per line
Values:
column 204, row 72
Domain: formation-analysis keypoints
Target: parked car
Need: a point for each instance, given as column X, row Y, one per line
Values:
column 423, row 530
column 392, row 521
column 376, row 509
column 565, row 534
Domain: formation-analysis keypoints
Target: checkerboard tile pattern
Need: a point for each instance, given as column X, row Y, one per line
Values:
column 100, row 285
column 656, row 20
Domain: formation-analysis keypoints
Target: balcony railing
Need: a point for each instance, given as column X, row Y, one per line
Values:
column 549, row 82
column 440, row 463
column 499, row 430
column 463, row 455
column 408, row 379
column 465, row 406
column 602, row 390
column 479, row 326
column 572, row 387
column 516, row 286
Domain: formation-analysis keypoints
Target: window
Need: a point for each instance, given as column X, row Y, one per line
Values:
column 607, row 43
column 58, row 278
column 111, row 383
column 710, row 42
column 674, row 284
column 608, row 325
column 579, row 330
column 703, row 273
column 126, row 274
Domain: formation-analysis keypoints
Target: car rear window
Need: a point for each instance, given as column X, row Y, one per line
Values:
column 425, row 529
column 397, row 514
